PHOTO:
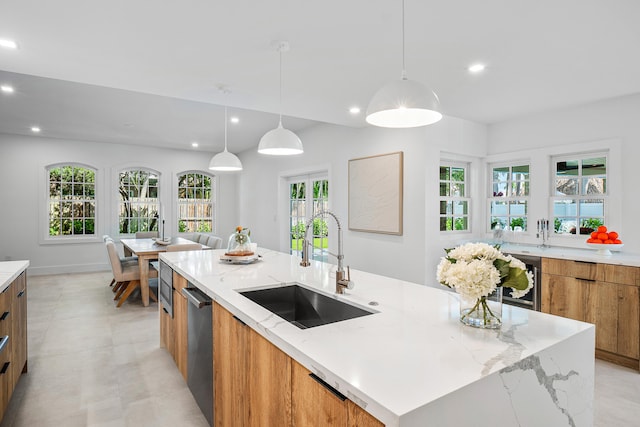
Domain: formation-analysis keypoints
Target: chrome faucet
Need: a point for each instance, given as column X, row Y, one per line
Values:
column 342, row 282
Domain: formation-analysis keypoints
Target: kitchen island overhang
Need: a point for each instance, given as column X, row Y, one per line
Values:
column 413, row 361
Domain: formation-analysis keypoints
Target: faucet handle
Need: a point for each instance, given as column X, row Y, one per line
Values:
column 349, row 284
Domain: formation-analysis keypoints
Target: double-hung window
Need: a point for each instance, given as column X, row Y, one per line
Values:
column 72, row 200
column 195, row 202
column 454, row 200
column 579, row 193
column 509, row 196
column 139, row 204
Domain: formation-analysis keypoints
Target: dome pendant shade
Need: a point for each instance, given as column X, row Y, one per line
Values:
column 280, row 142
column 225, row 162
column 403, row 104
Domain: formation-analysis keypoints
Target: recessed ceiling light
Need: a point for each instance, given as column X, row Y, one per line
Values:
column 234, row 120
column 476, row 68
column 9, row 44
column 35, row 129
column 6, row 89
column 194, row 144
column 354, row 110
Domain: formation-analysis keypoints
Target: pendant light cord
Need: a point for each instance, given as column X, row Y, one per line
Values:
column 225, row 128
column 280, row 50
column 404, row 71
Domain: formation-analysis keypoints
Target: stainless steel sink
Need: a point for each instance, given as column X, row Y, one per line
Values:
column 303, row 307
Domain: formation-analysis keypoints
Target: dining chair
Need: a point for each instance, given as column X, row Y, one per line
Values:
column 214, row 242
column 202, row 238
column 133, row 260
column 127, row 274
column 187, row 247
column 146, row 234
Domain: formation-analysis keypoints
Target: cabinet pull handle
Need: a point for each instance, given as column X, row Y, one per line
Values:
column 165, row 310
column 21, row 294
column 4, row 315
column 335, row 392
column 585, row 280
column 586, row 262
column 5, row 367
column 239, row 320
column 3, row 342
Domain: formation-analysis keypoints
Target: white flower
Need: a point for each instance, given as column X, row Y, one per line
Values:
column 471, row 270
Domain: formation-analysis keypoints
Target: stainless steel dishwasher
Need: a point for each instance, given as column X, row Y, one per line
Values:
column 200, row 354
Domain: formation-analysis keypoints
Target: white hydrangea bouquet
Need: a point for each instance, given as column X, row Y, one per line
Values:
column 478, row 271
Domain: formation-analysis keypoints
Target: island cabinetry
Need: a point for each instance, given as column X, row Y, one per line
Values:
column 316, row 403
column 13, row 337
column 173, row 330
column 604, row 294
column 255, row 383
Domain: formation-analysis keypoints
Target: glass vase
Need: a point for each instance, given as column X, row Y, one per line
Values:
column 484, row 312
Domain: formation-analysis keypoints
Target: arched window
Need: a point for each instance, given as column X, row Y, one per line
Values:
column 139, row 206
column 196, row 201
column 71, row 200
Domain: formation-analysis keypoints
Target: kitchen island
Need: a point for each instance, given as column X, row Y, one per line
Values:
column 411, row 362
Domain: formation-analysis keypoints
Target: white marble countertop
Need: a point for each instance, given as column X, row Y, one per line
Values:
column 394, row 363
column 591, row 255
column 9, row 270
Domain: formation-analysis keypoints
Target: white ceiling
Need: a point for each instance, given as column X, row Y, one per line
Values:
column 149, row 72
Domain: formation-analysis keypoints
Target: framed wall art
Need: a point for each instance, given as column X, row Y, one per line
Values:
column 375, row 193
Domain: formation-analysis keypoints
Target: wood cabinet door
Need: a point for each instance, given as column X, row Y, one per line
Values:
column 564, row 296
column 18, row 328
column 167, row 338
column 229, row 372
column 313, row 404
column 629, row 321
column 603, row 312
column 268, row 375
column 181, row 338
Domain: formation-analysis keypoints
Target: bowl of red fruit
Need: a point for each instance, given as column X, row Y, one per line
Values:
column 604, row 241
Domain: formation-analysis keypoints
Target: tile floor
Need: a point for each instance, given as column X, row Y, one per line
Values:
column 91, row 364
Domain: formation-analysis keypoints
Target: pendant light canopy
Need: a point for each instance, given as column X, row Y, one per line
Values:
column 403, row 103
column 280, row 141
column 225, row 161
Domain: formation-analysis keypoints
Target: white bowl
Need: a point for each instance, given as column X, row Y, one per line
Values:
column 604, row 248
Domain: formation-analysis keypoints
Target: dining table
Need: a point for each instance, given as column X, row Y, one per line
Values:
column 147, row 250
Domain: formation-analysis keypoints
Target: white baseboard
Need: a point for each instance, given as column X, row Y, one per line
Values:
column 66, row 269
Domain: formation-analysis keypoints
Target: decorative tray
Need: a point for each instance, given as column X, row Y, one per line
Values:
column 246, row 259
column 160, row 241
column 604, row 248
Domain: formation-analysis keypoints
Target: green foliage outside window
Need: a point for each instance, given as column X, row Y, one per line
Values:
column 72, row 201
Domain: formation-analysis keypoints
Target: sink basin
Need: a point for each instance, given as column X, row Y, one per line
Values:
column 303, row 307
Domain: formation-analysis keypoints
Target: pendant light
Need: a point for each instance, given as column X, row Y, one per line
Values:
column 403, row 103
column 280, row 141
column 225, row 161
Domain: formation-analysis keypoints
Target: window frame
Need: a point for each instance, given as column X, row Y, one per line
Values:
column 553, row 198
column 509, row 198
column 214, row 197
column 309, row 179
column 44, row 237
column 450, row 199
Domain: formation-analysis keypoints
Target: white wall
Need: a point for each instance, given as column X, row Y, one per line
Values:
column 413, row 255
column 612, row 123
column 22, row 161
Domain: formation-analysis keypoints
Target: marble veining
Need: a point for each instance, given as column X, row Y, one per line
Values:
column 547, row 381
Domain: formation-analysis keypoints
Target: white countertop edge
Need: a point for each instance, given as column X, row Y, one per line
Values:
column 10, row 270
column 574, row 254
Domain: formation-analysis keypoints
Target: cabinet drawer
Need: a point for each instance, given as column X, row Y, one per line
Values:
column 622, row 274
column 576, row 269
